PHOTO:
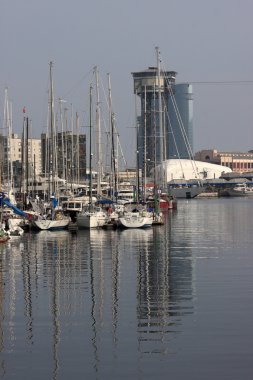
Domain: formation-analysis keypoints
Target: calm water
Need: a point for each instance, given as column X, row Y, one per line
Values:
column 173, row 302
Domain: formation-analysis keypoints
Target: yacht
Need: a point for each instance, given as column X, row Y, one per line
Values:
column 91, row 216
column 240, row 190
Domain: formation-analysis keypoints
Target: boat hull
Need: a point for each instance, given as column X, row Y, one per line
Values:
column 134, row 220
column 47, row 224
column 185, row 192
column 90, row 220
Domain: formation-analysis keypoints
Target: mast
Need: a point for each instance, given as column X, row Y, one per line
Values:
column 160, row 119
column 98, row 135
column 90, row 163
column 155, row 149
column 72, row 148
column 8, row 157
column 114, row 183
column 66, row 144
column 51, row 137
column 22, row 185
column 137, row 154
column 145, row 144
column 77, row 149
column 26, row 157
column 62, row 138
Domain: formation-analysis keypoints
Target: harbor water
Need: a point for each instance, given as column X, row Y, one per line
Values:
column 169, row 302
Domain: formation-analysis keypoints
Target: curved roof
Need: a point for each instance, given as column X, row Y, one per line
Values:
column 189, row 169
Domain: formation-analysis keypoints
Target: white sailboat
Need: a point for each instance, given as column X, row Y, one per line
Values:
column 135, row 216
column 134, row 220
column 53, row 218
column 188, row 189
column 91, row 216
column 60, row 221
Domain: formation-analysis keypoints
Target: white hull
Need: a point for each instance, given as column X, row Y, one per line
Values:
column 236, row 193
column 240, row 191
column 185, row 192
column 134, row 220
column 47, row 224
column 91, row 220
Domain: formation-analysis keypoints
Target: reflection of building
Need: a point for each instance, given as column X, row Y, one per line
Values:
column 236, row 161
column 165, row 292
column 71, row 155
column 176, row 109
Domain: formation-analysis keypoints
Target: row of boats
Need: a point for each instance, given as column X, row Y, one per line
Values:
column 76, row 212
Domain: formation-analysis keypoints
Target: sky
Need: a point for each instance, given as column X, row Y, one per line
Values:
column 208, row 43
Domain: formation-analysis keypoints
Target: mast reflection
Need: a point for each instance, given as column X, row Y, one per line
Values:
column 164, row 289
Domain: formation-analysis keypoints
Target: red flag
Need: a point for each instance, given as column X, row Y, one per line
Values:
column 23, row 109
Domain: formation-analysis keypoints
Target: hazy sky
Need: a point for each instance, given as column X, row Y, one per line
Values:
column 204, row 41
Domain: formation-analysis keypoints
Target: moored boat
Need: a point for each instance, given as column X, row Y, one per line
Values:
column 185, row 189
column 240, row 190
column 91, row 217
column 54, row 221
column 135, row 215
column 4, row 237
column 135, row 220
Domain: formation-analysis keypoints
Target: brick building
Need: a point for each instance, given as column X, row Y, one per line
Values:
column 237, row 161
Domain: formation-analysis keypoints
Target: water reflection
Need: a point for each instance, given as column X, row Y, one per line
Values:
column 164, row 293
column 85, row 284
column 80, row 304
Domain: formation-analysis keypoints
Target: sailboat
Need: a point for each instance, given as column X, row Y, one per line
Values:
column 91, row 216
column 53, row 218
column 176, row 188
column 135, row 215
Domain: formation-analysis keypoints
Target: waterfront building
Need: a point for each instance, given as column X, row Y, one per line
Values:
column 174, row 111
column 180, row 132
column 240, row 162
column 188, row 170
column 20, row 155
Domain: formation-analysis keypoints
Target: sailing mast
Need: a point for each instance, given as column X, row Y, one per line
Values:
column 90, row 163
column 98, row 135
column 62, row 139
column 114, row 179
column 77, row 149
column 27, row 159
column 8, row 126
column 145, row 145
column 51, row 136
column 162, row 137
column 160, row 119
column 137, row 195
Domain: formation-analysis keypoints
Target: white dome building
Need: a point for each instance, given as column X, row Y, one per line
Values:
column 183, row 169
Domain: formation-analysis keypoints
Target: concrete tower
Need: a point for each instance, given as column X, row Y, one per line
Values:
column 165, row 123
